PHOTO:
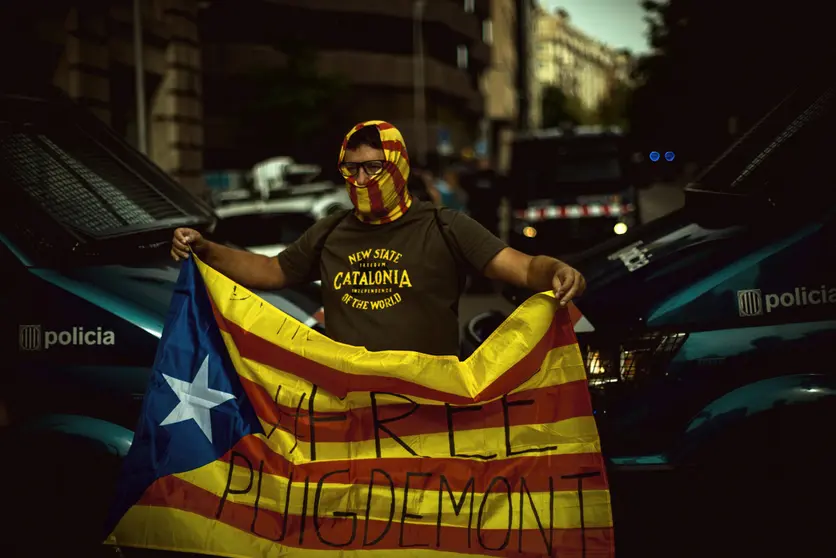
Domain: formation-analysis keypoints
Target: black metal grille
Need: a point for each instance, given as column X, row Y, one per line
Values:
column 633, row 360
column 81, row 184
column 812, row 113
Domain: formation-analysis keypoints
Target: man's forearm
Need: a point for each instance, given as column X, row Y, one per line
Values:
column 252, row 271
column 541, row 271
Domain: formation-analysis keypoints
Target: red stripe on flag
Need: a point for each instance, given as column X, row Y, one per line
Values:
column 253, row 347
column 320, row 529
column 574, row 314
column 536, row 469
column 561, row 333
column 542, row 406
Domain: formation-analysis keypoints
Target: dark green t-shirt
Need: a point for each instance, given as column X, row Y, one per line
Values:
column 394, row 286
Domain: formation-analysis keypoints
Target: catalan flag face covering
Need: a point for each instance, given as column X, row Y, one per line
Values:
column 385, row 197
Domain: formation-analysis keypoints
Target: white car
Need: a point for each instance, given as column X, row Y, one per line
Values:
column 317, row 199
column 262, row 227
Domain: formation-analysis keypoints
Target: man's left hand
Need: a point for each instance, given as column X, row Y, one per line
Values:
column 567, row 283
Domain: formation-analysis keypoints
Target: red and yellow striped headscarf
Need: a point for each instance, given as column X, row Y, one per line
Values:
column 385, row 197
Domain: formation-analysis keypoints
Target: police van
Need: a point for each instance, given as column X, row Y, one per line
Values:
column 710, row 339
column 84, row 252
column 572, row 187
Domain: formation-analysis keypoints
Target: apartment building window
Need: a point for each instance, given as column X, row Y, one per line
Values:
column 470, row 6
column 487, row 32
column 461, row 56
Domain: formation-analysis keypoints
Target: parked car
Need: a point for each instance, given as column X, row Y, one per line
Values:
column 318, row 200
column 280, row 185
column 262, row 227
column 710, row 343
column 84, row 241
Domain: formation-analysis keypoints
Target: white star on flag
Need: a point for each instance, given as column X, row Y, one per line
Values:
column 196, row 400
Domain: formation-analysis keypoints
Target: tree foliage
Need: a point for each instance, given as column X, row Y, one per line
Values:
column 292, row 105
column 561, row 109
column 613, row 108
column 710, row 62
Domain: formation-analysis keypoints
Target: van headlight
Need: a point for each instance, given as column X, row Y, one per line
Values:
column 644, row 356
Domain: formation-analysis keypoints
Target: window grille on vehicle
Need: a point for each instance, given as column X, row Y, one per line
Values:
column 637, row 358
column 814, row 111
column 80, row 183
column 806, row 111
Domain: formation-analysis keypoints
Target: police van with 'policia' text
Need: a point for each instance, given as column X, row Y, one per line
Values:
column 710, row 343
column 85, row 230
column 753, row 302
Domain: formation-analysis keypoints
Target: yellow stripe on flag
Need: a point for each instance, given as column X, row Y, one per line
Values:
column 505, row 347
column 193, row 533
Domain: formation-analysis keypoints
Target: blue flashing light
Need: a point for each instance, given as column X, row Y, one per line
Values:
column 669, row 156
column 654, row 156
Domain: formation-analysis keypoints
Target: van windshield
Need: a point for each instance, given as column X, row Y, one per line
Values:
column 587, row 168
column 551, row 167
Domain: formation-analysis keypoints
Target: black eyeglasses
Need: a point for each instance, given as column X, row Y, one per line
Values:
column 371, row 167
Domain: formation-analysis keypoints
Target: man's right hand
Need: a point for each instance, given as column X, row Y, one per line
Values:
column 186, row 241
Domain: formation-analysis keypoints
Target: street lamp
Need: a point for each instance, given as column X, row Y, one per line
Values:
column 139, row 73
column 420, row 112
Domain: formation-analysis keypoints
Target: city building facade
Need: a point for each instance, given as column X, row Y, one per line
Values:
column 499, row 81
column 414, row 63
column 91, row 51
column 577, row 63
column 446, row 72
column 529, row 83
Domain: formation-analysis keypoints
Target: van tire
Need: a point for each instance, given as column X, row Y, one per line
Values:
column 755, row 487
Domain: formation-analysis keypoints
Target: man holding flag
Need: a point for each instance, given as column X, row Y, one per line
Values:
column 392, row 270
column 261, row 437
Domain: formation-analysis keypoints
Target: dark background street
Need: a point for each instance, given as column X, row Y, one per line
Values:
column 677, row 152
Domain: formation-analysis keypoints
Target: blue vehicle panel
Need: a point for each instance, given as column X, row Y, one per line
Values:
column 84, row 239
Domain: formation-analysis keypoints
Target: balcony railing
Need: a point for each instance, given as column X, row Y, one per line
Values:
column 397, row 71
column 451, row 14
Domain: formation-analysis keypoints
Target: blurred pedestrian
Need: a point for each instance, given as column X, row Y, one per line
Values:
column 392, row 268
column 451, row 195
column 421, row 185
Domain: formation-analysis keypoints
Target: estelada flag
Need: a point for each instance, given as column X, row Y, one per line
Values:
column 261, row 437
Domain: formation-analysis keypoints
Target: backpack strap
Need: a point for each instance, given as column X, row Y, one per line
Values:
column 331, row 228
column 335, row 224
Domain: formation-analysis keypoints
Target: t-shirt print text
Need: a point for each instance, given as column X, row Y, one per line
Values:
column 374, row 280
